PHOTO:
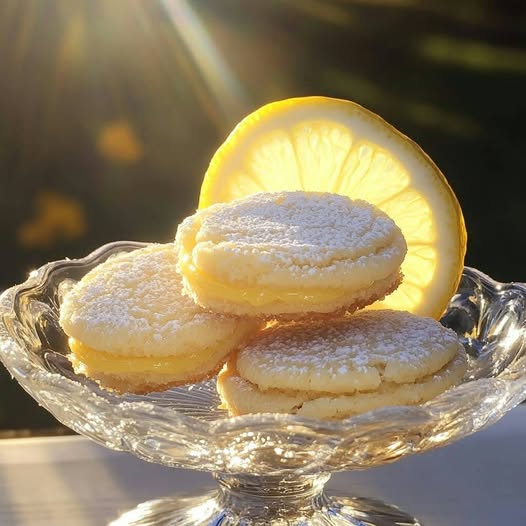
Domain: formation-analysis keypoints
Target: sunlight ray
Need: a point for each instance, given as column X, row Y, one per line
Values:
column 25, row 33
column 220, row 80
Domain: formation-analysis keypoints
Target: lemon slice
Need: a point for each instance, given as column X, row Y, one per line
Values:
column 332, row 145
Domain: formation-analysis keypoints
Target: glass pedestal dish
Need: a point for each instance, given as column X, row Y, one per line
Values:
column 270, row 468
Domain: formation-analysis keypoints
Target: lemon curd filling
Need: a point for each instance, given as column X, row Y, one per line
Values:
column 257, row 296
column 110, row 363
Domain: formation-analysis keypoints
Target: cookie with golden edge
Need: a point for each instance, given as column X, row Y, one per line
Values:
column 352, row 365
column 132, row 329
column 283, row 253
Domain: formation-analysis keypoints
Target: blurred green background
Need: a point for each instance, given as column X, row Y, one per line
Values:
column 111, row 109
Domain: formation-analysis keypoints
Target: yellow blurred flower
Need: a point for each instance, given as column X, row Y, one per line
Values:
column 57, row 217
column 118, row 142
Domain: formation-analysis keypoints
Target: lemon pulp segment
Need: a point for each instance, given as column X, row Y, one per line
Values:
column 331, row 145
column 106, row 362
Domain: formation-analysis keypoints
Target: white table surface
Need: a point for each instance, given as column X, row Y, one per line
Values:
column 69, row 481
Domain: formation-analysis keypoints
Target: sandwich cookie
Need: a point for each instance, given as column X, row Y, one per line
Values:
column 132, row 329
column 289, row 253
column 334, row 370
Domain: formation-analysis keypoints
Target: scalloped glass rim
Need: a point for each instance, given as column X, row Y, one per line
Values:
column 489, row 315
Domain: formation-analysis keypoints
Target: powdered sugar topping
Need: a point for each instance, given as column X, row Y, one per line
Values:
column 133, row 304
column 310, row 226
column 379, row 345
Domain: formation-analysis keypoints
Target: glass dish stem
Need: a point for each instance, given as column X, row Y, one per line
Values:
column 252, row 500
column 271, row 497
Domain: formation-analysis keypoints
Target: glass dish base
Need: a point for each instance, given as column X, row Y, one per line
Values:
column 257, row 501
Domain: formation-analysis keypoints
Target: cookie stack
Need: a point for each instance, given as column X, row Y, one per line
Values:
column 270, row 285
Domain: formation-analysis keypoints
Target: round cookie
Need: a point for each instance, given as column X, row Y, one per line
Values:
column 132, row 329
column 242, row 397
column 289, row 253
column 355, row 353
column 357, row 364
